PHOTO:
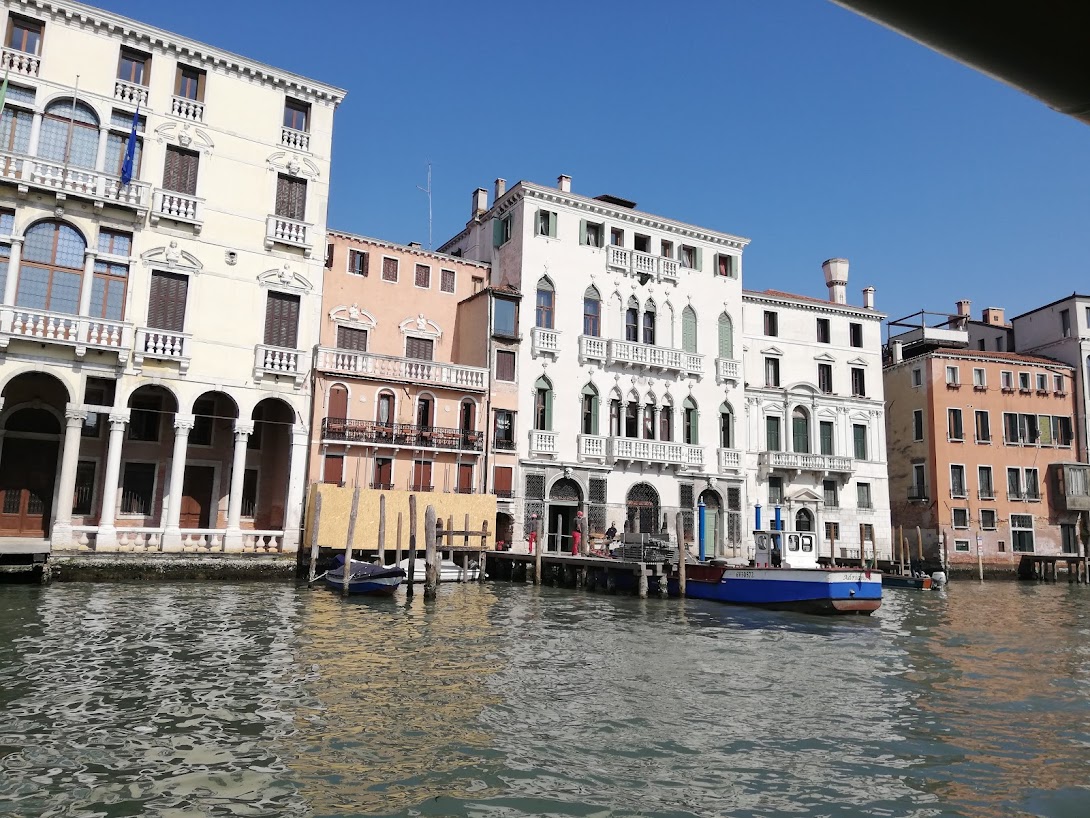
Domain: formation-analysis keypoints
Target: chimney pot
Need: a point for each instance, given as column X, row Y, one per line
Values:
column 963, row 307
column 895, row 350
column 564, row 183
column 480, row 202
column 868, row 298
column 501, row 188
column 836, row 279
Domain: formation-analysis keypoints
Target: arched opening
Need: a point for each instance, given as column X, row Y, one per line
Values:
column 337, row 403
column 543, row 405
column 666, row 420
column 649, row 420
column 590, row 410
column 546, row 296
column 649, row 323
column 642, row 507
column 52, row 268
column 385, row 405
column 146, row 456
column 688, row 330
column 726, row 426
column 615, row 414
column 565, row 497
column 804, row 520
column 270, row 453
column 691, row 418
column 69, row 134
column 632, row 416
column 800, row 430
column 425, row 411
column 206, row 485
column 505, row 528
column 726, row 337
column 632, row 321
column 713, row 507
column 592, row 312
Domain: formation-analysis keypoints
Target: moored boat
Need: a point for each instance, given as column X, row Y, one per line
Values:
column 907, row 581
column 449, row 571
column 365, row 578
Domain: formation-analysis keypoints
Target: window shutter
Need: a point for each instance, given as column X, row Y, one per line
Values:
column 329, row 256
column 552, row 225
column 419, row 348
column 281, row 320
column 594, row 416
column 291, row 197
column 333, row 469
column 352, row 338
column 582, row 231
column 338, row 402
column 497, row 232
column 549, row 409
column 698, row 258
column 465, row 477
column 537, row 223
column 688, row 330
column 726, row 337
column 166, row 302
column 501, row 482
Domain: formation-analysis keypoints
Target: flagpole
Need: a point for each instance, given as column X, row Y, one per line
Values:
column 71, row 126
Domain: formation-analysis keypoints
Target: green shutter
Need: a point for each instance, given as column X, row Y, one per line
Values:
column 552, row 225
column 549, row 410
column 801, row 433
column 582, row 231
column 497, row 232
column 698, row 258
column 537, row 222
column 594, row 416
column 688, row 330
column 696, row 427
column 726, row 337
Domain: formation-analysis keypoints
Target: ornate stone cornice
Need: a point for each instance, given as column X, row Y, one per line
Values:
column 749, row 296
column 284, row 278
column 171, row 257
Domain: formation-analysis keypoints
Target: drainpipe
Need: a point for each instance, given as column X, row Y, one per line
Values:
column 488, row 400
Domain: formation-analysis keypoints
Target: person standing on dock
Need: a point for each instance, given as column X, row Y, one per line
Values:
column 577, row 534
column 611, row 532
column 533, row 538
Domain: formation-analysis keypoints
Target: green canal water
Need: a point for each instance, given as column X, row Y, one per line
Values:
column 504, row 701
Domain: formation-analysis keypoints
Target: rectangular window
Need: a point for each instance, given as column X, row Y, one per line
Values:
column 953, row 376
column 423, row 276
column 961, row 545
column 641, row 243
column 503, row 433
column 831, row 490
column 502, row 481
column 859, row 382
column 918, row 489
column 505, row 318
column 917, row 377
column 180, row 170
column 961, row 518
column 984, row 482
column 687, row 256
column 824, row 333
column 545, row 224
column 25, row 35
column 917, row 424
column 116, row 145
column 987, row 519
column 825, row 379
column 446, row 281
column 1014, row 484
column 725, row 265
column 771, row 324
column 1023, row 381
column 281, row 320
column 1031, row 485
column 954, row 428
column 421, row 349
column 957, row 481
column 352, row 338
column 1065, row 323
column 616, row 237
column 543, row 312
column 1069, row 541
column 1061, row 427
column 1022, row 533
column 667, row 249
column 1042, row 382
column 1006, row 380
column 166, row 301
column 358, row 262
column 296, row 114
column 1044, row 428
column 825, row 437
column 772, row 372
column 138, row 488
column 110, row 277
column 132, row 66
column 421, row 475
column 249, row 493
column 772, row 434
column 859, row 439
column 980, row 378
column 1027, row 428
column 863, row 497
column 1010, row 428
column 291, row 197
column 84, row 492
column 592, row 317
column 775, row 491
column 505, row 365
column 333, row 469
column 189, row 83
column 591, row 234
column 832, row 531
column 983, row 426
column 389, row 269
column 855, row 334
column 1058, row 384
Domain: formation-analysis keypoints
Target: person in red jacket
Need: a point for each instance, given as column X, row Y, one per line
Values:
column 577, row 534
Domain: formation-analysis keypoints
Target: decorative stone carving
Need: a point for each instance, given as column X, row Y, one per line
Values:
column 421, row 326
column 293, row 165
column 284, row 278
column 186, row 135
column 172, row 257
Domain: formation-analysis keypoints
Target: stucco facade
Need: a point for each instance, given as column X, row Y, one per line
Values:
column 157, row 335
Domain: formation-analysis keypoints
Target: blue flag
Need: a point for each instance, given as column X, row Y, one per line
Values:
column 130, row 150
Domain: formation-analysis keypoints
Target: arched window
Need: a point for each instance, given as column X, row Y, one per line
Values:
column 590, row 410
column 52, row 267
column 649, row 323
column 592, row 313
column 800, row 430
column 467, row 416
column 384, row 410
column 615, row 415
column 632, row 321
column 666, row 421
column 804, row 521
column 726, row 337
column 649, row 420
column 425, row 411
column 80, row 148
column 632, row 417
column 642, row 504
column 545, row 300
column 543, row 405
column 726, row 426
column 338, row 402
column 688, row 329
column 692, row 422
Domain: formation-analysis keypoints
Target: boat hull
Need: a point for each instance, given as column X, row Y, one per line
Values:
column 449, row 571
column 366, row 580
column 809, row 590
column 916, row 583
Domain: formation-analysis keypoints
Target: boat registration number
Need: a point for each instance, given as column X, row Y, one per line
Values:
column 742, row 575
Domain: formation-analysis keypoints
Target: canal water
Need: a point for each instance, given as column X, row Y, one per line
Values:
column 500, row 701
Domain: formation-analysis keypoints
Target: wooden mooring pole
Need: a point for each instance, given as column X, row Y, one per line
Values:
column 540, row 531
column 481, row 560
column 412, row 545
column 397, row 553
column 314, row 519
column 382, row 529
column 347, row 574
column 679, row 528
column 431, row 569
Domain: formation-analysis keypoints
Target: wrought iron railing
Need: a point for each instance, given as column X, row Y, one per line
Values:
column 400, row 434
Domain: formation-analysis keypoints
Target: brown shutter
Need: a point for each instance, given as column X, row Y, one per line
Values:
column 501, row 482
column 180, row 170
column 465, row 478
column 166, row 304
column 384, row 470
column 338, row 402
column 333, row 470
column 351, row 338
column 419, row 348
column 281, row 320
column 291, row 197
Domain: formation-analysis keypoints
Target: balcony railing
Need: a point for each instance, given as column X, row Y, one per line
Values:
column 280, row 361
column 296, row 140
column 634, row 262
column 917, row 493
column 730, row 460
column 163, row 346
column 410, row 370
column 80, row 332
column 131, row 93
column 655, row 451
column 542, row 442
column 282, row 230
column 986, row 494
column 544, row 340
column 727, row 369
column 592, row 447
column 178, row 207
column 43, row 174
column 350, row 430
column 654, row 357
column 189, row 109
column 806, row 462
column 19, row 62
column 502, row 444
column 591, row 348
column 382, row 486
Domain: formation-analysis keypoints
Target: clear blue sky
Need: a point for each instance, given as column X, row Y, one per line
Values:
column 812, row 131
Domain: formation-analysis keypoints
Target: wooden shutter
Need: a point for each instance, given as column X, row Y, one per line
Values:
column 180, row 170
column 291, row 197
column 338, row 402
column 505, row 365
column 281, row 320
column 351, row 338
column 384, row 470
column 726, row 337
column 465, row 478
column 501, row 481
column 688, row 330
column 419, row 348
column 333, row 469
column 166, row 304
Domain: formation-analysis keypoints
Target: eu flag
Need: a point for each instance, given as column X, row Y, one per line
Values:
column 130, row 150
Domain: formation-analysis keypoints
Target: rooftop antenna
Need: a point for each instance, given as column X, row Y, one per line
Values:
column 428, row 191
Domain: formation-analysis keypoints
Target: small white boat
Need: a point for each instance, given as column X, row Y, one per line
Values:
column 449, row 571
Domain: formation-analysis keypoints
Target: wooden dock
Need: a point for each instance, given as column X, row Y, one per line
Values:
column 25, row 556
column 590, row 572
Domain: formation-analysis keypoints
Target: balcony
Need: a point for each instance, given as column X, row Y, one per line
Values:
column 630, row 353
column 131, row 93
column 727, row 369
column 99, row 188
column 296, row 140
column 80, row 332
column 403, row 370
column 190, row 110
column 592, row 448
column 280, row 361
column 798, row 461
column 1073, row 484
column 162, row 345
column 19, row 62
column 642, row 265
column 503, row 444
column 177, row 207
column 591, row 348
column 730, row 460
column 917, row 493
column 398, row 435
column 544, row 341
column 293, row 233
column 543, row 443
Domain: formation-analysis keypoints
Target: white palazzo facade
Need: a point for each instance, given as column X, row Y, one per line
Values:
column 628, row 371
column 155, row 336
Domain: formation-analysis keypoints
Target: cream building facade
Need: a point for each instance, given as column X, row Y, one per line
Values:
column 156, row 336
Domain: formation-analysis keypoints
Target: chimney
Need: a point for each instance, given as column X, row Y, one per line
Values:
column 994, row 316
column 963, row 307
column 895, row 351
column 564, row 183
column 836, row 279
column 868, row 298
column 501, row 188
column 480, row 202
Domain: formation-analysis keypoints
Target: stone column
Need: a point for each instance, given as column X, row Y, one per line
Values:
column 106, row 540
column 35, row 133
column 172, row 536
column 232, row 540
column 89, row 256
column 100, row 158
column 11, row 285
column 74, row 415
column 293, row 508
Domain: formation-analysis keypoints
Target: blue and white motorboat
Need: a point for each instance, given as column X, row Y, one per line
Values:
column 365, row 578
